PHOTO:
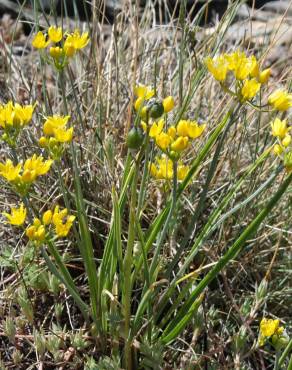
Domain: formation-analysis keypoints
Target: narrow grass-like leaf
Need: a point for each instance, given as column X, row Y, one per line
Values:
column 64, row 276
column 180, row 322
column 236, row 247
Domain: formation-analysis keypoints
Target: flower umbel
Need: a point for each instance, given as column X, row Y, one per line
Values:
column 270, row 328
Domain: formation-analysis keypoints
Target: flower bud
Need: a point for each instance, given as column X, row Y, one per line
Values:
column 43, row 142
column 262, row 289
column 40, row 233
column 288, row 161
column 156, row 109
column 138, row 103
column 56, row 52
column 47, row 217
column 135, row 138
column 168, row 104
column 30, row 231
column 264, row 76
column 36, row 222
column 286, row 141
column 277, row 149
column 28, row 176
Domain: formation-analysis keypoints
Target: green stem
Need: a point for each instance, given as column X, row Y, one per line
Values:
column 276, row 364
column 128, row 262
column 286, row 352
column 145, row 175
column 168, row 219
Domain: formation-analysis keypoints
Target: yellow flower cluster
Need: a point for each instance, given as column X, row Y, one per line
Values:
column 23, row 175
column 13, row 117
column 283, row 148
column 59, row 220
column 249, row 78
column 270, row 328
column 37, row 231
column 175, row 139
column 162, row 169
column 65, row 45
column 244, row 69
column 56, row 135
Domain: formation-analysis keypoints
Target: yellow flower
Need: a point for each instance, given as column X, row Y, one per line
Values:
column 255, row 71
column 163, row 169
column 180, row 144
column 270, row 328
column 47, row 217
column 138, row 103
column 55, row 34
column 78, row 41
column 36, row 166
column 54, row 122
column 43, row 142
column 17, row 216
column 74, row 42
column 168, row 104
column 288, row 161
column 28, row 176
column 171, row 131
column 36, row 232
column 250, row 89
column 195, row 130
column 15, row 115
column 277, row 149
column 153, row 170
column 23, row 114
column 144, row 92
column 190, row 129
column 156, row 128
column 30, row 231
column 241, row 66
column 56, row 52
column 39, row 41
column 6, row 114
column 163, row 140
column 9, row 171
column 36, row 222
column 40, row 233
column 286, row 141
column 218, row 67
column 264, row 76
column 69, row 49
column 182, row 128
column 62, row 135
column 182, row 172
column 279, row 128
column 62, row 221
column 280, row 100
column 144, row 126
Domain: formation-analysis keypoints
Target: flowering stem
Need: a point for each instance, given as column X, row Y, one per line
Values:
column 128, row 262
column 168, row 219
column 145, row 175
